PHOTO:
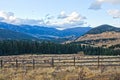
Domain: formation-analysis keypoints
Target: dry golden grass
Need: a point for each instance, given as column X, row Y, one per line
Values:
column 61, row 73
column 104, row 35
column 58, row 72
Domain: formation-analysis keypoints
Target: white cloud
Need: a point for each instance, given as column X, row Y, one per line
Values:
column 9, row 17
column 73, row 19
column 111, row 1
column 62, row 15
column 114, row 13
column 63, row 20
column 96, row 5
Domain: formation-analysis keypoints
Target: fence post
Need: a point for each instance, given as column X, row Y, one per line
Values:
column 1, row 63
column 33, row 64
column 74, row 61
column 16, row 63
column 52, row 62
column 98, row 61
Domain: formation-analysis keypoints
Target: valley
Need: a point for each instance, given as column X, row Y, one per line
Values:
column 46, row 33
column 31, row 53
column 59, row 39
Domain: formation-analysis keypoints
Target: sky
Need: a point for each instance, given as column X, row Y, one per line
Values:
column 61, row 13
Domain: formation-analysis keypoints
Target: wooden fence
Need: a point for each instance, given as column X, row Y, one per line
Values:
column 61, row 61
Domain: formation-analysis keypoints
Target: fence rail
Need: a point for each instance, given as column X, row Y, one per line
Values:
column 61, row 61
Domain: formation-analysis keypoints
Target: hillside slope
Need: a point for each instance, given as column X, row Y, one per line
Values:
column 12, row 35
column 104, row 35
column 103, row 28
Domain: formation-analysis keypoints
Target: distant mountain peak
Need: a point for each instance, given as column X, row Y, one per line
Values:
column 103, row 35
column 103, row 28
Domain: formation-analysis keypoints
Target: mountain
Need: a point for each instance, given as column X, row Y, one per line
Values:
column 104, row 35
column 12, row 35
column 103, row 28
column 77, row 31
column 46, row 33
column 31, row 30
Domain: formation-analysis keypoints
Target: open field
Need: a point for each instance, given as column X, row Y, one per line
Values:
column 60, row 67
column 61, row 73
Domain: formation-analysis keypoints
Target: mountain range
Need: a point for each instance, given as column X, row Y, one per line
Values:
column 103, row 35
column 46, row 33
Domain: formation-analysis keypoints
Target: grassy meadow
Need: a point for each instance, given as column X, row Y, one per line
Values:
column 58, row 72
column 61, row 73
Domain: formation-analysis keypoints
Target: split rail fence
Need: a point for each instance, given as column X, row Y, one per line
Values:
column 61, row 61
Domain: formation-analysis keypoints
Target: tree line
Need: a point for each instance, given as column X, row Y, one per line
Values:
column 18, row 47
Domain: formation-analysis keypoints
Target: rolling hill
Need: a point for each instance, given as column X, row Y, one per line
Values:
column 103, row 28
column 104, row 35
column 12, row 35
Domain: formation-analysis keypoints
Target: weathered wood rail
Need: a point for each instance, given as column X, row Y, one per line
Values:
column 61, row 61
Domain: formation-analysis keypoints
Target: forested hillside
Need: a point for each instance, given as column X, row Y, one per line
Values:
column 103, row 28
column 10, row 47
column 12, row 35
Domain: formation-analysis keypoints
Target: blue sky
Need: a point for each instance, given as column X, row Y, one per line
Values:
column 61, row 13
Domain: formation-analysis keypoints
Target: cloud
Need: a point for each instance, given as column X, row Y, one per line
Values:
column 96, row 5
column 62, row 20
column 62, row 15
column 48, row 16
column 29, row 21
column 1, row 18
column 70, row 20
column 114, row 13
column 7, row 16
